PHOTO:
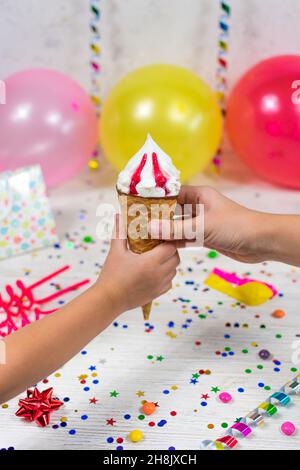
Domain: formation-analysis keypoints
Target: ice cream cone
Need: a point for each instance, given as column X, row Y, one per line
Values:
column 145, row 210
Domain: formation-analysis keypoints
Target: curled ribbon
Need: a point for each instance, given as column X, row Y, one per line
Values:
column 19, row 306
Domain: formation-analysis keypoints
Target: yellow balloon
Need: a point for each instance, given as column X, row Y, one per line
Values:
column 171, row 103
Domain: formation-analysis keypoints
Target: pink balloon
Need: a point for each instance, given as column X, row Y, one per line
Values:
column 263, row 119
column 47, row 119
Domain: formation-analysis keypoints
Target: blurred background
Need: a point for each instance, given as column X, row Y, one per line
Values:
column 56, row 35
column 39, row 33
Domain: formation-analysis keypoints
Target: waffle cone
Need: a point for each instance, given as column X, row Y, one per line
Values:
column 151, row 209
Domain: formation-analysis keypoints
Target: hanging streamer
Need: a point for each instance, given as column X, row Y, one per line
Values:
column 222, row 65
column 242, row 428
column 95, row 66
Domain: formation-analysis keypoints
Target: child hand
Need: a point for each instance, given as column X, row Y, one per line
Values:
column 229, row 228
column 132, row 280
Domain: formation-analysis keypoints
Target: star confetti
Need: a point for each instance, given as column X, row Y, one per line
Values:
column 110, row 422
column 93, row 401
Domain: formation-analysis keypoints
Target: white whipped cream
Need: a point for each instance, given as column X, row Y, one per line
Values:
column 147, row 186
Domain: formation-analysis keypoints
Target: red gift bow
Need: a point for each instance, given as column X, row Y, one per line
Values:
column 38, row 406
column 19, row 306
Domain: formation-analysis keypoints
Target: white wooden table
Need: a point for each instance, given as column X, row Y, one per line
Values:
column 157, row 364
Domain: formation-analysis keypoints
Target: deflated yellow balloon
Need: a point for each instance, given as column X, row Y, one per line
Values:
column 171, row 103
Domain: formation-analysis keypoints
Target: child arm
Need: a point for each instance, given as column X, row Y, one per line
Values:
column 127, row 280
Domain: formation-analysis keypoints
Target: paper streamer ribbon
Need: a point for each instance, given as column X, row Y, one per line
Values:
column 245, row 290
column 244, row 426
column 21, row 304
column 95, row 66
column 222, row 66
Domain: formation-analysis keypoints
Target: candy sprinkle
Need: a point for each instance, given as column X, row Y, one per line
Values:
column 148, row 408
column 278, row 313
column 135, row 435
column 288, row 428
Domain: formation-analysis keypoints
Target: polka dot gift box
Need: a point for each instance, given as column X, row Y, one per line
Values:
column 26, row 220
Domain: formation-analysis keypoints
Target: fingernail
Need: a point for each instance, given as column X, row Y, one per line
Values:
column 154, row 228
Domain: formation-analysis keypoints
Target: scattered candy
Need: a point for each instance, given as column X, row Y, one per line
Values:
column 278, row 313
column 288, row 428
column 136, row 435
column 225, row 397
column 264, row 354
column 148, row 408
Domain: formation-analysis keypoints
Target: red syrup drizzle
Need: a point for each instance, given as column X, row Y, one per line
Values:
column 160, row 178
column 136, row 177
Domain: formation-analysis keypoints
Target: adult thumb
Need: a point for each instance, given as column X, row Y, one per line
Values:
column 178, row 229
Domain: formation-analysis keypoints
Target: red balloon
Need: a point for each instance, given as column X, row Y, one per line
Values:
column 263, row 119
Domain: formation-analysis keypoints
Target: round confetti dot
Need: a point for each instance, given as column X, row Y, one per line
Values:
column 151, row 424
column 225, row 397
column 166, row 392
column 267, row 387
column 63, row 425
column 278, row 313
column 120, row 440
column 241, row 390
column 127, row 416
column 171, row 448
column 88, row 239
column 66, row 399
column 86, row 389
column 161, row 423
column 224, row 425
column 57, row 374
column 83, row 353
column 264, row 354
column 248, row 371
column 84, row 417
column 278, row 336
column 203, row 403
column 212, row 254
column 210, row 426
column 135, row 435
column 261, row 384
column 72, row 432
column 173, row 413
column 288, row 428
column 148, row 408
column 119, row 448
column 141, row 417
column 4, row 406
column 110, row 440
